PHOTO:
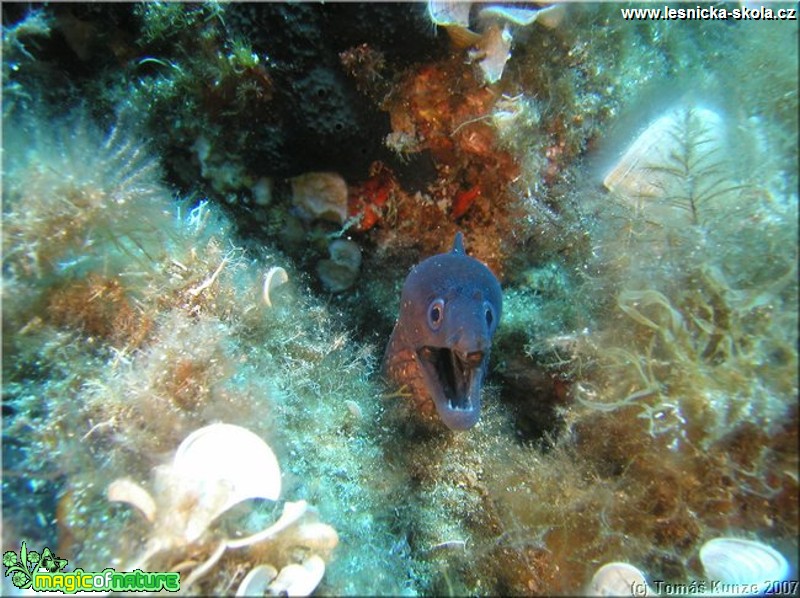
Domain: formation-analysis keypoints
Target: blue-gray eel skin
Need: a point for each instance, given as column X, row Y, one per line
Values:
column 439, row 349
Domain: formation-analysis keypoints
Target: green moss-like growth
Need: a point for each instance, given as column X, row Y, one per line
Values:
column 688, row 341
column 684, row 389
column 59, row 200
column 164, row 20
column 153, row 327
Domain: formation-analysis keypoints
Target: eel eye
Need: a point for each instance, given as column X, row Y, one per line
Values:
column 490, row 319
column 436, row 314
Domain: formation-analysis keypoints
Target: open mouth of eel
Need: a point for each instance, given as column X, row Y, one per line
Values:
column 454, row 380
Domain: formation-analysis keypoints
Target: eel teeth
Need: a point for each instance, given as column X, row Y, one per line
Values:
column 456, row 373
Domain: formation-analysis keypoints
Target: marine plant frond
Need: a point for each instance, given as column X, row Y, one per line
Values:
column 702, row 351
column 629, row 302
column 695, row 173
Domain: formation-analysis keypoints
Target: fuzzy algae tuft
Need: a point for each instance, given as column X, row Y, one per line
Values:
column 146, row 333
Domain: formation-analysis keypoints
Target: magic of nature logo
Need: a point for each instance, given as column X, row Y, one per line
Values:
column 44, row 572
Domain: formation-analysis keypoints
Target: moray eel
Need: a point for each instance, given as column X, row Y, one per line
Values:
column 449, row 310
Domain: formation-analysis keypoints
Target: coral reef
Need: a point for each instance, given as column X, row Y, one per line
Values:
column 208, row 213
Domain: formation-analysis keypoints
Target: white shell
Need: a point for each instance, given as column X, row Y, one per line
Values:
column 275, row 277
column 552, row 16
column 449, row 12
column 215, row 468
column 128, row 491
column 292, row 512
column 255, row 583
column 495, row 47
column 299, row 580
column 233, row 454
column 618, row 579
column 517, row 16
column 742, row 562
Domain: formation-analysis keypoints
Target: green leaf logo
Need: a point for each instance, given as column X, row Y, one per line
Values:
column 52, row 563
column 21, row 568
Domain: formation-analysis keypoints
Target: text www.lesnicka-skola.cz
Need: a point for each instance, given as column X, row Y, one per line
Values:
column 709, row 13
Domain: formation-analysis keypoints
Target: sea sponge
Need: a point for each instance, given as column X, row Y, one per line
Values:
column 340, row 272
column 321, row 195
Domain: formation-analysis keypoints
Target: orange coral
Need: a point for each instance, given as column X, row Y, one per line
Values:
column 442, row 109
column 463, row 201
column 368, row 199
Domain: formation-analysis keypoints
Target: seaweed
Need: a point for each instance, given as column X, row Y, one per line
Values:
column 144, row 321
column 690, row 352
column 59, row 201
column 695, row 176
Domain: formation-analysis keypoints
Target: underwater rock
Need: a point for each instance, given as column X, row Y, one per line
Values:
column 340, row 271
column 741, row 562
column 320, row 195
column 262, row 191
